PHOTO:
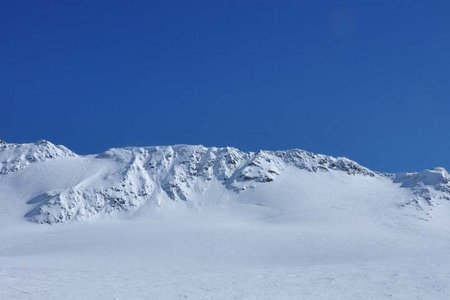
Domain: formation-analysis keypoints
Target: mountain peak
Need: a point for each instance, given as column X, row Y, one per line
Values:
column 15, row 157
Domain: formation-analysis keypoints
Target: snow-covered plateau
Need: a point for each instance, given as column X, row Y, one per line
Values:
column 195, row 222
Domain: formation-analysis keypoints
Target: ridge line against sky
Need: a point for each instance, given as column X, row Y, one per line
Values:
column 212, row 146
column 364, row 80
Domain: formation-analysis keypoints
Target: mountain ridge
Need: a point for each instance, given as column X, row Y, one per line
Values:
column 130, row 177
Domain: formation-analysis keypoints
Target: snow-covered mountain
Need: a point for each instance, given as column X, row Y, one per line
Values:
column 192, row 222
column 127, row 180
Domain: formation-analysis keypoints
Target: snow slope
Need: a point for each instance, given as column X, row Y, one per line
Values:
column 191, row 222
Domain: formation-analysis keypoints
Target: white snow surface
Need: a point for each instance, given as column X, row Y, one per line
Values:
column 192, row 222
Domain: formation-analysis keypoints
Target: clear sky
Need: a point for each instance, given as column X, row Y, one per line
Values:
column 369, row 80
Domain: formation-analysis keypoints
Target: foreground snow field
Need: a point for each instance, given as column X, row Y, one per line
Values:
column 227, row 261
column 178, row 224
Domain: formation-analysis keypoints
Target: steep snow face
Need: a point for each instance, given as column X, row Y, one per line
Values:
column 160, row 175
column 15, row 157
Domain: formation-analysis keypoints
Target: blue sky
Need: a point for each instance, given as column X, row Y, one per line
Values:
column 364, row 79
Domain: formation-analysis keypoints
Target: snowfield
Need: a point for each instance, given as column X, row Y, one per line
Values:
column 191, row 222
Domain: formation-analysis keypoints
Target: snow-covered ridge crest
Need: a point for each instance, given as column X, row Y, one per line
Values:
column 15, row 157
column 177, row 167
